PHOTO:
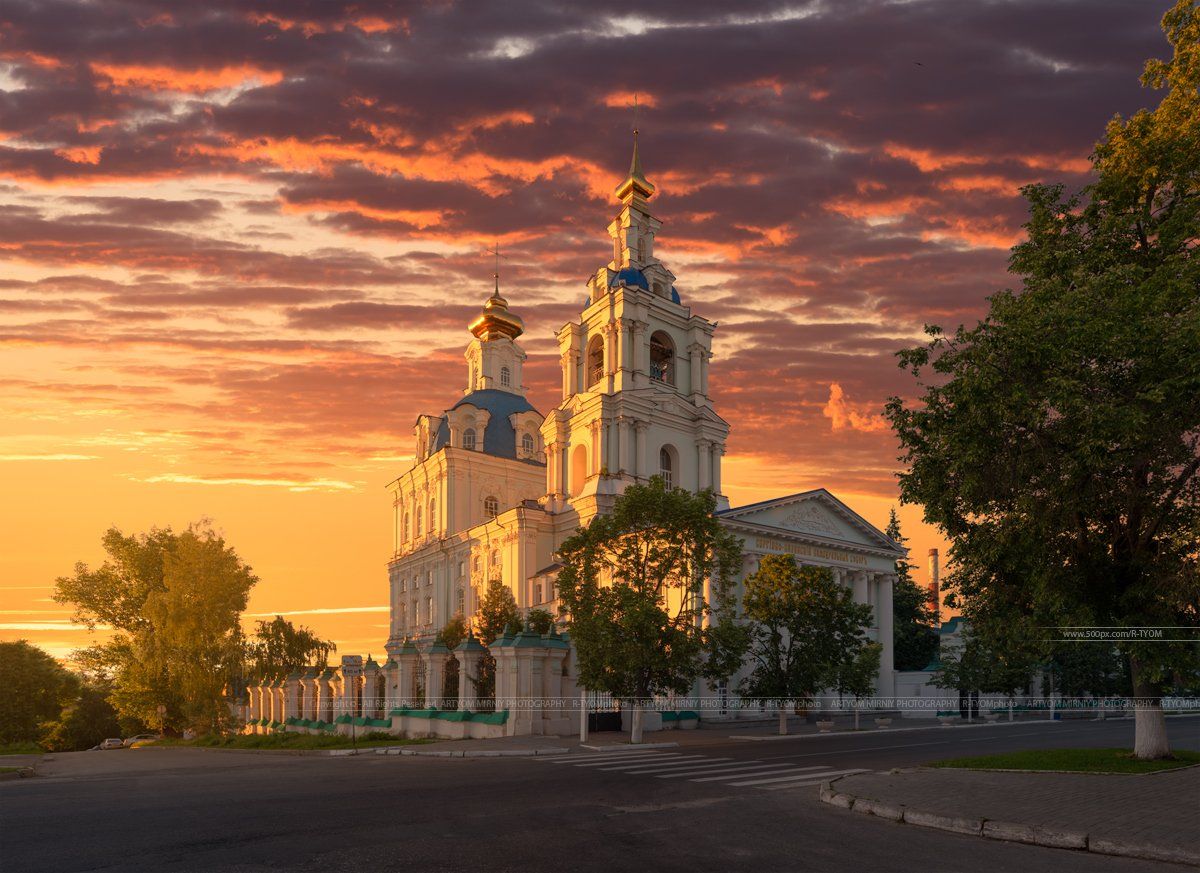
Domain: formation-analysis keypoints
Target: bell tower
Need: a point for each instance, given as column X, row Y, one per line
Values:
column 635, row 400
column 494, row 360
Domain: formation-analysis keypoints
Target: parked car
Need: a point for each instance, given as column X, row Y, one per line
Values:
column 140, row 739
column 113, row 743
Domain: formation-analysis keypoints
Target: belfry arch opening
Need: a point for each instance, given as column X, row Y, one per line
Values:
column 668, row 465
column 662, row 358
column 595, row 361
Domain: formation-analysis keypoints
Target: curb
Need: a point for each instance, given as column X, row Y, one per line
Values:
column 472, row 753
column 888, row 730
column 309, row 753
column 1014, row 832
column 608, row 747
column 933, row 727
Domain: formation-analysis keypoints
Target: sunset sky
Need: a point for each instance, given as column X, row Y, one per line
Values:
column 240, row 241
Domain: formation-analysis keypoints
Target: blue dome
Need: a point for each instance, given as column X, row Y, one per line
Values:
column 500, row 438
column 675, row 296
column 629, row 276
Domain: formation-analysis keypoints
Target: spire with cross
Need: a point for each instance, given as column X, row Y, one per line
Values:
column 495, row 251
column 636, row 186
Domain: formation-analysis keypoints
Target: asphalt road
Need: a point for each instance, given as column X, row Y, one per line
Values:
column 186, row 809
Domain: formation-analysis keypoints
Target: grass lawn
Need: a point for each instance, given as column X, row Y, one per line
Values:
column 9, row 769
column 1072, row 761
column 21, row 749
column 292, row 741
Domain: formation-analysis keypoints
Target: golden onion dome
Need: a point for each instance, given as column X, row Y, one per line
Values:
column 496, row 320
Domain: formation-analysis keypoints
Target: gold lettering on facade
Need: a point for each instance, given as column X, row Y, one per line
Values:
column 807, row 551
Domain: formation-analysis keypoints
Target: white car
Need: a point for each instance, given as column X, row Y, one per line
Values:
column 140, row 739
column 113, row 743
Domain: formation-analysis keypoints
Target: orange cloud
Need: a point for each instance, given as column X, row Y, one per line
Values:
column 624, row 99
column 845, row 415
column 81, row 154
column 196, row 81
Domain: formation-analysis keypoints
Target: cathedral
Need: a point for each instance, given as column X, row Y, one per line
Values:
column 496, row 487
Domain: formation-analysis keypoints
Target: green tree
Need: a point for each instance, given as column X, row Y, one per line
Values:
column 496, row 614
column 454, row 632
column 498, row 611
column 83, row 722
column 36, row 687
column 807, row 635
column 914, row 640
column 174, row 601
column 279, row 647
column 979, row 664
column 1057, row 443
column 633, row 587
column 540, row 621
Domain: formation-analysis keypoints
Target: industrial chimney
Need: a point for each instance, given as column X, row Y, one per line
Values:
column 934, row 581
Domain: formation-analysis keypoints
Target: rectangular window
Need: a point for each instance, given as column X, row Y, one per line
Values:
column 537, row 592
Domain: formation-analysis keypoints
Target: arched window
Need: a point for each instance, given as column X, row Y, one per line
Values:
column 505, row 376
column 419, row 528
column 428, row 610
column 433, row 515
column 475, row 563
column 495, row 557
column 595, row 360
column 641, row 248
column 491, row 507
column 527, row 444
column 662, row 358
column 460, row 602
column 578, row 470
column 406, row 532
column 403, row 616
column 666, row 466
column 469, row 439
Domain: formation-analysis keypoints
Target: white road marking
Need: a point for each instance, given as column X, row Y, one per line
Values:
column 576, row 759
column 766, row 773
column 793, row 777
column 816, row 779
column 604, row 763
column 693, row 761
column 626, row 765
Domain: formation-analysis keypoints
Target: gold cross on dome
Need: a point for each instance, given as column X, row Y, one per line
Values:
column 636, row 107
column 495, row 250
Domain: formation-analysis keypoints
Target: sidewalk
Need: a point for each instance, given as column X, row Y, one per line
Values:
column 1154, row 816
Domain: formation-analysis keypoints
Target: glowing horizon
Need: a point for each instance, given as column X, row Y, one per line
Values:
column 240, row 249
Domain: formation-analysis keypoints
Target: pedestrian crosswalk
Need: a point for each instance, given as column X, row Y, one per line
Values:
column 655, row 764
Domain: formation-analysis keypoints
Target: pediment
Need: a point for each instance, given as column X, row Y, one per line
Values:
column 813, row 513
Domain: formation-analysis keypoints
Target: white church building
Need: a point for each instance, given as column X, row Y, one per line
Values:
column 496, row 487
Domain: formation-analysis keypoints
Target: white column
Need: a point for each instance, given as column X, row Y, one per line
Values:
column 623, row 460
column 860, row 586
column 887, row 676
column 717, row 452
column 638, row 329
column 703, row 450
column 695, row 350
column 643, row 463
